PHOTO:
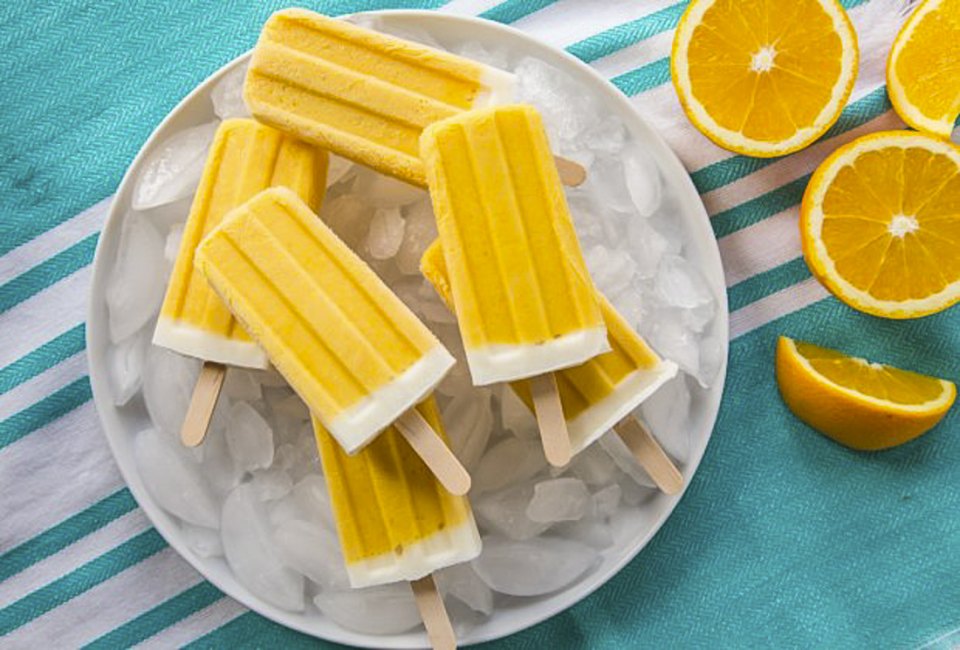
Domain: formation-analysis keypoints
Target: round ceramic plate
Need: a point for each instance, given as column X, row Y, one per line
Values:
column 639, row 524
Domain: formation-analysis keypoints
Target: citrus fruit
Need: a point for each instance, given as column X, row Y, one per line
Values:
column 859, row 404
column 764, row 77
column 880, row 224
column 923, row 69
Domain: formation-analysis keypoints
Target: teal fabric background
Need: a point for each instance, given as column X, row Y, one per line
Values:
column 783, row 539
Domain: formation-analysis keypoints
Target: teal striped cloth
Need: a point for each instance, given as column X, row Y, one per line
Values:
column 783, row 539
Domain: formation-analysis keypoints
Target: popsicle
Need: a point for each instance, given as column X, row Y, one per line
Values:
column 365, row 95
column 395, row 522
column 601, row 393
column 245, row 157
column 524, row 300
column 353, row 351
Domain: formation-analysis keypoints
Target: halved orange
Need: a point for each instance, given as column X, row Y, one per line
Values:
column 859, row 404
column 880, row 224
column 923, row 69
column 764, row 77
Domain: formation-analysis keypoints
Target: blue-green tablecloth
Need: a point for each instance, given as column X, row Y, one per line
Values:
column 783, row 539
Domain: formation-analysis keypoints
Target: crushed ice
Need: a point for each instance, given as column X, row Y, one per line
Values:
column 254, row 492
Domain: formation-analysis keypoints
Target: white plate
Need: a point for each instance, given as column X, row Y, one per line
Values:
column 638, row 525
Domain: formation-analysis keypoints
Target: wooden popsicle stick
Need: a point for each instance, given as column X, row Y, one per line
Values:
column 550, row 420
column 571, row 173
column 434, row 452
column 434, row 614
column 204, row 400
column 650, row 454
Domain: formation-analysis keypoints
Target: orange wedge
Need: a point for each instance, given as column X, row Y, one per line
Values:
column 923, row 70
column 880, row 224
column 859, row 404
column 764, row 77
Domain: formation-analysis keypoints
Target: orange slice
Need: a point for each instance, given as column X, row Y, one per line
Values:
column 859, row 404
column 923, row 70
column 880, row 224
column 764, row 77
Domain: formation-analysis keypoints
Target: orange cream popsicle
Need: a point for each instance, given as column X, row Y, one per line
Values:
column 395, row 521
column 524, row 300
column 245, row 158
column 353, row 351
column 598, row 393
column 361, row 94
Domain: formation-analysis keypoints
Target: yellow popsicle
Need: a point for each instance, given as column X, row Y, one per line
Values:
column 598, row 393
column 353, row 351
column 395, row 521
column 361, row 94
column 245, row 158
column 524, row 300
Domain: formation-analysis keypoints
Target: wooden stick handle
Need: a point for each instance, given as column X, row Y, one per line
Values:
column 434, row 614
column 650, row 454
column 571, row 173
column 434, row 452
column 550, row 420
column 204, row 400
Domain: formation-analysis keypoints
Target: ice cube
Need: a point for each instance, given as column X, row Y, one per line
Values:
column 592, row 531
column 171, row 247
column 252, row 553
column 217, row 465
column 567, row 112
column 505, row 512
column 386, row 233
column 606, row 136
column 168, row 216
column 492, row 56
column 137, row 282
column 509, row 461
column 711, row 358
column 308, row 501
column 382, row 610
column 420, row 232
column 593, row 466
column 271, row 484
column 291, row 406
column 242, row 385
column 672, row 340
column 621, row 455
column 227, row 95
column 125, row 362
column 174, row 479
column 630, row 304
column 173, row 169
column 606, row 501
column 205, row 542
column 348, row 217
column 647, row 247
column 463, row 583
column 642, row 180
column 379, row 191
column 168, row 381
column 680, row 284
column 666, row 413
column 558, row 499
column 249, row 438
column 468, row 420
column 312, row 550
column 612, row 269
column 534, row 567
column 608, row 185
column 515, row 416
column 338, row 169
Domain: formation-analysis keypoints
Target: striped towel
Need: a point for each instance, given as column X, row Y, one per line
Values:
column 783, row 539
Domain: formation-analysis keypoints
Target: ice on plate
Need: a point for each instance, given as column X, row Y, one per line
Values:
column 254, row 491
